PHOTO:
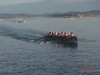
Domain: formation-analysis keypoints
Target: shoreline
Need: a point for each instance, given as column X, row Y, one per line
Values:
column 50, row 17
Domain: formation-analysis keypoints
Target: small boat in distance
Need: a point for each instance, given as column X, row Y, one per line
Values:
column 0, row 18
column 20, row 21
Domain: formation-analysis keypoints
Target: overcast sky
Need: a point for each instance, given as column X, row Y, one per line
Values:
column 8, row 2
column 47, row 6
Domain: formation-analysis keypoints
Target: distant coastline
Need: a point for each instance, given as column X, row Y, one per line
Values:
column 70, row 14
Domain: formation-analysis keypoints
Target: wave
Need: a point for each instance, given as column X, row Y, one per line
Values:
column 85, row 40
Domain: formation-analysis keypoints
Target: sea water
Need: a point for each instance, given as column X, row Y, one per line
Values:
column 23, row 51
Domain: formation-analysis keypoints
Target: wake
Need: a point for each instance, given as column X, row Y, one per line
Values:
column 19, row 34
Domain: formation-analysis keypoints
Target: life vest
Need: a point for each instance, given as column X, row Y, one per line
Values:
column 72, row 34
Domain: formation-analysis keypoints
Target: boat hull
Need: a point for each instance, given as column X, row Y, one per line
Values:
column 63, row 40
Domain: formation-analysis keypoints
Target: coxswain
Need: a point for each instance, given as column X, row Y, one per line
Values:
column 50, row 33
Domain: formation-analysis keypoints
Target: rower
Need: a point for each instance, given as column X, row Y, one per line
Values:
column 56, row 34
column 69, row 34
column 59, row 34
column 66, row 35
column 72, row 34
column 62, row 34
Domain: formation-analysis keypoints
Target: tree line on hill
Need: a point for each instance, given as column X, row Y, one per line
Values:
column 92, row 13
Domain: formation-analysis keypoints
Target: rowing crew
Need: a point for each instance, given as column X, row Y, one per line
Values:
column 62, row 34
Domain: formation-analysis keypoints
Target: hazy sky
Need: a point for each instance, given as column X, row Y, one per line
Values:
column 47, row 6
column 8, row 2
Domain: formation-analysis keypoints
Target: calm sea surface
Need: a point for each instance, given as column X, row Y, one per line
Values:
column 23, row 51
